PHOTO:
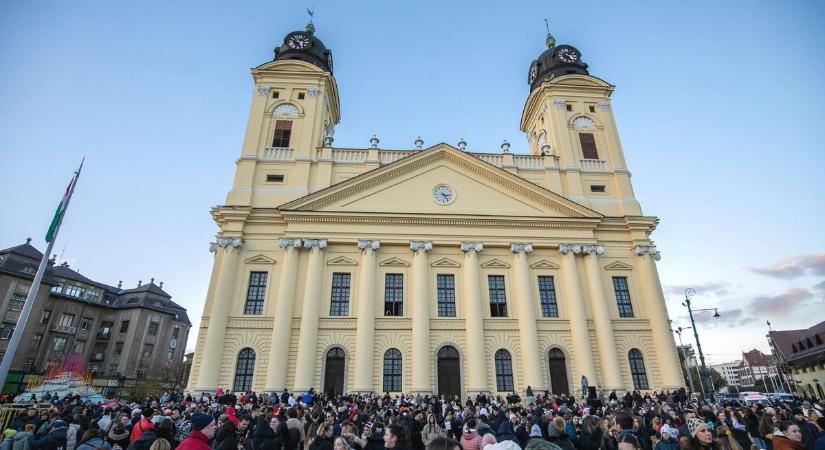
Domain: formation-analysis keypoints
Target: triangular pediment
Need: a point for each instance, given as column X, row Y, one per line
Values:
column 259, row 259
column 341, row 261
column 495, row 263
column 445, row 262
column 394, row 262
column 618, row 265
column 544, row 264
column 408, row 186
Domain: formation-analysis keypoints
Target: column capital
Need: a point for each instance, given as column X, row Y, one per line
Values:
column 421, row 245
column 521, row 247
column 315, row 244
column 226, row 243
column 472, row 247
column 570, row 249
column 366, row 245
column 648, row 250
column 289, row 243
column 595, row 250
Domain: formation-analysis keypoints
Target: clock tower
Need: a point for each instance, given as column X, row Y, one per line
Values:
column 568, row 117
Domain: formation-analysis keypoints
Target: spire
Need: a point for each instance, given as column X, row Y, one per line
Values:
column 550, row 40
column 310, row 28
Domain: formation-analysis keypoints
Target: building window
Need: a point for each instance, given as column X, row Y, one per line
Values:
column 175, row 332
column 57, row 289
column 153, row 329
column 275, row 94
column 274, row 178
column 339, row 299
column 283, row 130
column 591, row 108
column 569, row 107
column 124, row 326
column 16, row 302
column 6, row 331
column 588, row 142
column 66, row 320
column 170, row 353
column 393, row 294
column 547, row 297
column 92, row 296
column 28, row 365
column 36, row 339
column 105, row 329
column 148, row 349
column 498, row 299
column 78, row 346
column 597, row 188
column 622, row 296
column 637, row 369
column 244, row 370
column 45, row 316
column 75, row 291
column 392, row 370
column 504, row 371
column 445, row 284
column 59, row 344
column 112, row 369
column 255, row 293
column 85, row 324
column 301, row 96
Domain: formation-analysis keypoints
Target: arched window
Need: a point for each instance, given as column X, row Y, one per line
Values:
column 244, row 370
column 637, row 369
column 392, row 370
column 504, row 371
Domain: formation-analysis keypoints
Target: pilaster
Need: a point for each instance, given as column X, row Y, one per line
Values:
column 578, row 315
column 308, row 340
column 421, row 373
column 526, row 306
column 282, row 323
column 602, row 319
column 365, row 334
column 475, row 366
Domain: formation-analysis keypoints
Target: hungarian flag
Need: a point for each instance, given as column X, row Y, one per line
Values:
column 61, row 208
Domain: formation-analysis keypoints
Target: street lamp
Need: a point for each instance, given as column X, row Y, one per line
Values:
column 678, row 332
column 705, row 378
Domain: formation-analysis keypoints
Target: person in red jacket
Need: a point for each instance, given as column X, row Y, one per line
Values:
column 203, row 429
column 145, row 424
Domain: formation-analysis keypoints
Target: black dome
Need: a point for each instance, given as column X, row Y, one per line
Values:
column 555, row 61
column 304, row 46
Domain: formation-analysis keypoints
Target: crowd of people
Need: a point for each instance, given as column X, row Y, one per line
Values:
column 249, row 421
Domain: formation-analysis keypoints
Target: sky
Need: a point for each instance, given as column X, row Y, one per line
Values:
column 720, row 109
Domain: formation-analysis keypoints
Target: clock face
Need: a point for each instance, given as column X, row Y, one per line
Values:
column 534, row 71
column 299, row 41
column 443, row 194
column 568, row 55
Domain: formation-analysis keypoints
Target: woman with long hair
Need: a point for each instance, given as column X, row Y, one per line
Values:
column 312, row 432
column 323, row 439
column 431, row 431
column 726, row 439
column 592, row 435
column 701, row 437
column 787, row 436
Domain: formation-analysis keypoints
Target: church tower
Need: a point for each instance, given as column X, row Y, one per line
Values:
column 568, row 117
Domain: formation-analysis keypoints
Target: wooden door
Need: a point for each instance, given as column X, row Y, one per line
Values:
column 334, row 373
column 449, row 372
column 558, row 372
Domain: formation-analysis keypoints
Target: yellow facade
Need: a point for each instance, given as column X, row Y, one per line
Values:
column 300, row 213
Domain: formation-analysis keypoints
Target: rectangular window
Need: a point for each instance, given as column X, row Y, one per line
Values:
column 283, row 130
column 301, row 96
column 6, row 331
column 275, row 94
column 45, row 316
column 59, row 344
column 622, row 296
column 274, row 178
column 597, row 188
column 498, row 298
column 445, row 285
column 147, row 352
column 394, row 294
column 153, row 329
column 75, row 291
column 16, row 302
column 112, row 369
column 66, row 320
column 124, row 326
column 57, row 289
column 118, row 348
column 591, row 108
column 588, row 142
column 175, row 332
column 92, row 296
column 339, row 299
column 85, row 324
column 105, row 329
column 36, row 339
column 255, row 293
column 569, row 107
column 28, row 365
column 547, row 297
column 169, row 354
column 78, row 346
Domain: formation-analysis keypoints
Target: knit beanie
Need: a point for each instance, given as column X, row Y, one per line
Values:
column 535, row 431
column 10, row 432
column 200, row 421
column 693, row 425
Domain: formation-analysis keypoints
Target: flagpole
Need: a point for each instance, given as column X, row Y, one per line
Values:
column 5, row 365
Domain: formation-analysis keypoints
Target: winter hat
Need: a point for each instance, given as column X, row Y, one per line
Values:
column 200, row 421
column 535, row 431
column 672, row 432
column 368, row 426
column 10, row 432
column 693, row 425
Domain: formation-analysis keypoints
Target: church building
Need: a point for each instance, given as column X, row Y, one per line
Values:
column 432, row 269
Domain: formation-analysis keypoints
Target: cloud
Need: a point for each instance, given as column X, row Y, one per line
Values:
column 819, row 288
column 728, row 318
column 780, row 304
column 794, row 267
column 717, row 288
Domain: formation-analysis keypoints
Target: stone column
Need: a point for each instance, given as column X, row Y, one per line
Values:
column 421, row 373
column 602, row 319
column 228, row 250
column 582, row 351
column 475, row 366
column 307, row 352
column 654, row 301
column 526, row 307
column 282, row 322
column 365, row 334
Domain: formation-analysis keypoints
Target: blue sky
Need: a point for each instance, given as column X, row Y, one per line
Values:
column 720, row 107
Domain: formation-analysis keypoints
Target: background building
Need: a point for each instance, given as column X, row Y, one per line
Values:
column 136, row 333
column 803, row 352
column 758, row 367
column 437, row 269
column 730, row 372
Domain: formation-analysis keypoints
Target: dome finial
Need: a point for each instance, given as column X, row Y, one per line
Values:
column 550, row 40
column 310, row 28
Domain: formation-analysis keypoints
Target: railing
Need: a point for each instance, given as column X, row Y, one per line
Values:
column 528, row 162
column 278, row 153
column 496, row 160
column 389, row 156
column 64, row 329
column 349, row 156
column 594, row 164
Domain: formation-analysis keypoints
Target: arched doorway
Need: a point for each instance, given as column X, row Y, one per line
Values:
column 334, row 372
column 449, row 372
column 558, row 372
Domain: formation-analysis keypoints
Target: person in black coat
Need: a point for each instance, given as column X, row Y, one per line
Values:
column 324, row 439
column 263, row 438
column 416, row 427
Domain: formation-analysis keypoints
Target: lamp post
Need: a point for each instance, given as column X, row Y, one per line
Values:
column 705, row 376
column 678, row 332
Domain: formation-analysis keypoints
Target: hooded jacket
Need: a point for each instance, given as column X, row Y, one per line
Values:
column 54, row 439
column 93, row 443
column 21, row 441
column 471, row 440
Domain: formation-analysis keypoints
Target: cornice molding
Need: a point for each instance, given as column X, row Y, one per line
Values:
column 326, row 217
